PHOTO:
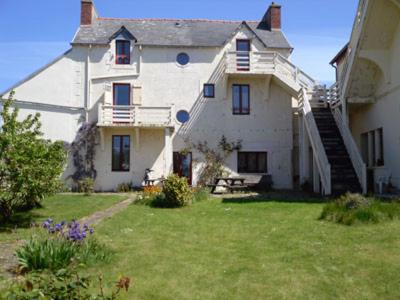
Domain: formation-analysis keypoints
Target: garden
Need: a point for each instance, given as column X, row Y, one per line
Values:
column 178, row 242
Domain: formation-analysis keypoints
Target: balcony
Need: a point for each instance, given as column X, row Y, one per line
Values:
column 266, row 63
column 135, row 116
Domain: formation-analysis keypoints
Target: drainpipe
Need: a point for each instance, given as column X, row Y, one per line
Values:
column 87, row 100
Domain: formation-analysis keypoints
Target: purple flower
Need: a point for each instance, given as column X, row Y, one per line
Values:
column 91, row 230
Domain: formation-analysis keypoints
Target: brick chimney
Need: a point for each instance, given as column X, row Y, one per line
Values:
column 272, row 18
column 88, row 12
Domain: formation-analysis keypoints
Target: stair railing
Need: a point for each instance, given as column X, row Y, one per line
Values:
column 355, row 156
column 320, row 156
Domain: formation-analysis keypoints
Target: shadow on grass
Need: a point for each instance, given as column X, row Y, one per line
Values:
column 24, row 219
column 276, row 196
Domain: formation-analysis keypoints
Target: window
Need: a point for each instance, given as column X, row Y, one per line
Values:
column 209, row 90
column 183, row 59
column 122, row 94
column 252, row 162
column 123, row 52
column 372, row 148
column 241, row 99
column 243, row 48
column 182, row 116
column 121, row 153
column 380, row 157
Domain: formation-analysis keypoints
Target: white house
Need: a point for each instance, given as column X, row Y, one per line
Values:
column 369, row 78
column 152, row 85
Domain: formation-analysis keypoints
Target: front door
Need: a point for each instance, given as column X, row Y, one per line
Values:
column 183, row 165
column 243, row 55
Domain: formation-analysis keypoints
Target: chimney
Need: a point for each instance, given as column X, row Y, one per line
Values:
column 88, row 12
column 272, row 18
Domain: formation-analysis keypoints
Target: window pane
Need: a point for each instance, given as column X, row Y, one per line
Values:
column 373, row 148
column 252, row 161
column 116, row 151
column 236, row 99
column 126, row 153
column 122, row 94
column 209, row 90
column 262, row 163
column 245, row 99
column 243, row 45
column 183, row 59
column 242, row 164
column 123, row 49
column 381, row 160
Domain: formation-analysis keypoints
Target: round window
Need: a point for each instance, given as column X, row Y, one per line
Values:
column 182, row 116
column 183, row 59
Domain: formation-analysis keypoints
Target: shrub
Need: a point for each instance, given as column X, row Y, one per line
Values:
column 30, row 166
column 176, row 193
column 124, row 188
column 353, row 208
column 62, row 244
column 201, row 194
column 63, row 284
column 86, row 186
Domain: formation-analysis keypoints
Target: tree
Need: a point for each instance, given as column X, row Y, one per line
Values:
column 30, row 166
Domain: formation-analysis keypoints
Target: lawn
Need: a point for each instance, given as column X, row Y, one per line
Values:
column 59, row 207
column 222, row 249
column 229, row 249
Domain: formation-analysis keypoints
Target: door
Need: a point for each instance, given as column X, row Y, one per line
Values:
column 243, row 55
column 122, row 101
column 183, row 165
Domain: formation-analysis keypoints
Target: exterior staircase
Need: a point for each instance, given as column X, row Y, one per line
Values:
column 343, row 175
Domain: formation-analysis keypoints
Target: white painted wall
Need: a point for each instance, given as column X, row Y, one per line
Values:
column 385, row 112
column 86, row 71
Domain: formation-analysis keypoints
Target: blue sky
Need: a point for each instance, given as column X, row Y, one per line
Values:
column 33, row 32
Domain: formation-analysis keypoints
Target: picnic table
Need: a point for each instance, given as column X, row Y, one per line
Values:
column 230, row 183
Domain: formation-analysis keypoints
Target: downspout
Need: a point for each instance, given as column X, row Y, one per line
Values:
column 87, row 101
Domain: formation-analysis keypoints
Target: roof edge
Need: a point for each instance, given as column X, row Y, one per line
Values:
column 37, row 72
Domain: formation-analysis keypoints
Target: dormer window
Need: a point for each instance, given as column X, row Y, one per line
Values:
column 123, row 52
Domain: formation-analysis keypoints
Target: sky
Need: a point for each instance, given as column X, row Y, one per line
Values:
column 33, row 32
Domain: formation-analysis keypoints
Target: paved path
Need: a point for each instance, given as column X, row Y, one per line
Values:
column 8, row 260
column 99, row 216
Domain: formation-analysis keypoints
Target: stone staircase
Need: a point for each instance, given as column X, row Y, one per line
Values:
column 343, row 175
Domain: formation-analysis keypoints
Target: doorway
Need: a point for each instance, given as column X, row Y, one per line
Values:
column 183, row 165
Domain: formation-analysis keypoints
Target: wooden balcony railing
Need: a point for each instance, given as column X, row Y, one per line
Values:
column 135, row 116
column 266, row 62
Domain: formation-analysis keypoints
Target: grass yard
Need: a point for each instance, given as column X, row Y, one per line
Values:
column 220, row 249
column 59, row 207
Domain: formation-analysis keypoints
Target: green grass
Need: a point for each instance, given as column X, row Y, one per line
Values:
column 256, row 250
column 59, row 207
column 228, row 249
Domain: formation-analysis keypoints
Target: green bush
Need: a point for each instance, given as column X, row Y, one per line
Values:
column 354, row 208
column 124, row 188
column 201, row 194
column 30, row 166
column 40, row 253
column 176, row 193
column 86, row 186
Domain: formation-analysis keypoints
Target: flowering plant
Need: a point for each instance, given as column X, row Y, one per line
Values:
column 60, row 244
column 71, row 231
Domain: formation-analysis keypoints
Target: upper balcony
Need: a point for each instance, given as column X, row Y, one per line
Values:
column 266, row 63
column 135, row 116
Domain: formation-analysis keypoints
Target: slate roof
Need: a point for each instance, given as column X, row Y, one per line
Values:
column 168, row 32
